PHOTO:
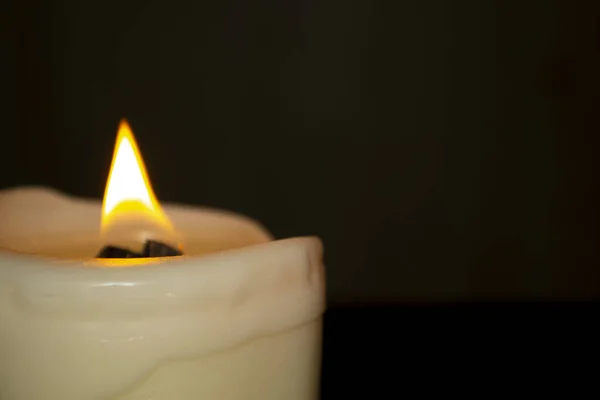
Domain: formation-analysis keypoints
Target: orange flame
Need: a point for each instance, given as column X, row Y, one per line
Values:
column 128, row 189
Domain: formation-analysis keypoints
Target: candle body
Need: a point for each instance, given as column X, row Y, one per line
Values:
column 281, row 366
column 243, row 322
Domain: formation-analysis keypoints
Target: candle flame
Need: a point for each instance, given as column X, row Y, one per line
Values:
column 128, row 189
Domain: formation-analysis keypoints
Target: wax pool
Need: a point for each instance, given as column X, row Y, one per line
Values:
column 237, row 317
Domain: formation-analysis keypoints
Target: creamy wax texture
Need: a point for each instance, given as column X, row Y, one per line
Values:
column 237, row 317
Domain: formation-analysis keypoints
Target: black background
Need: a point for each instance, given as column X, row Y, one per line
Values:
column 443, row 150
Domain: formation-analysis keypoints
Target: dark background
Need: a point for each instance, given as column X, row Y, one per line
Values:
column 443, row 150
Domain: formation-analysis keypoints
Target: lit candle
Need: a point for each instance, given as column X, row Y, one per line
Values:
column 238, row 316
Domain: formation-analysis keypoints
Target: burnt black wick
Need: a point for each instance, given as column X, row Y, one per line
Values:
column 152, row 248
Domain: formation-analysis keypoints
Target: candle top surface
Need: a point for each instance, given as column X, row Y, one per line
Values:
column 46, row 223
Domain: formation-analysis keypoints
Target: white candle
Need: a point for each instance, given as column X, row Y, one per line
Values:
column 237, row 317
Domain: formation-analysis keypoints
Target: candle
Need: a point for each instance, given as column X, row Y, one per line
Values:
column 238, row 316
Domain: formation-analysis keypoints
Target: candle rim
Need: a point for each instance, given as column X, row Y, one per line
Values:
column 253, row 274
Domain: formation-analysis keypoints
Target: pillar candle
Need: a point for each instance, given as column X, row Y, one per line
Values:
column 237, row 317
